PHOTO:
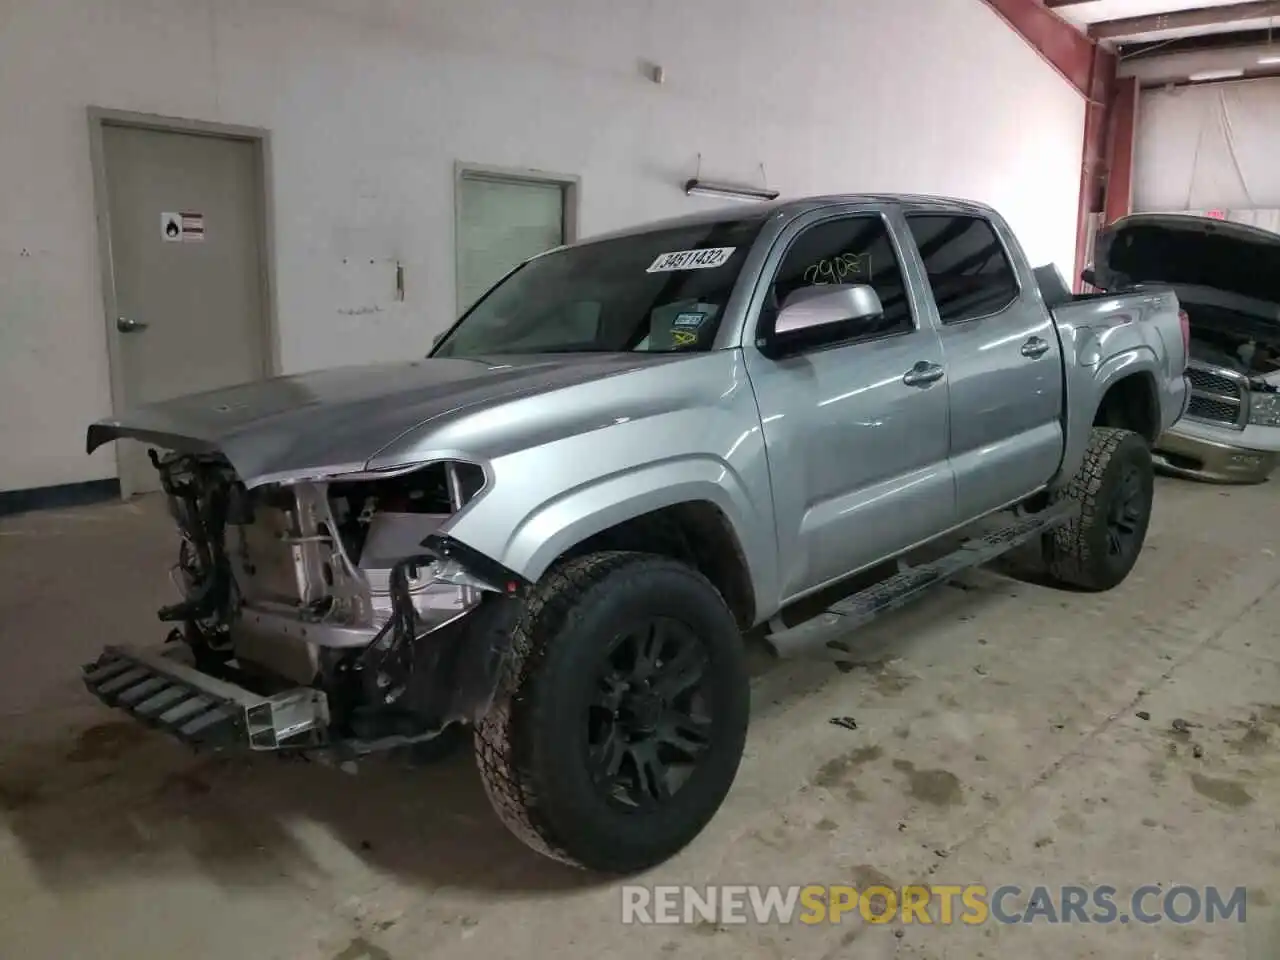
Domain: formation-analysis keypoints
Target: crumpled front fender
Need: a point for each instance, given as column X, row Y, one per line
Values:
column 533, row 539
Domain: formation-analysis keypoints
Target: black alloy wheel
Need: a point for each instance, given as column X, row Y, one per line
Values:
column 1127, row 513
column 648, row 726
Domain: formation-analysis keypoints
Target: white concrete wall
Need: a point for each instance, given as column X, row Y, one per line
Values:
column 1209, row 146
column 370, row 104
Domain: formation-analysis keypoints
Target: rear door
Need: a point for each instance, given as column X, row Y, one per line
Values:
column 1003, row 360
column 855, row 434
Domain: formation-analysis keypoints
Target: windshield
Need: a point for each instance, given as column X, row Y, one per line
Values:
column 659, row 291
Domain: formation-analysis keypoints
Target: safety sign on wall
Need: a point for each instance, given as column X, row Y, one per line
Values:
column 182, row 227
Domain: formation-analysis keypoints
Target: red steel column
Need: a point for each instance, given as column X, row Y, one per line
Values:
column 1102, row 77
column 1120, row 153
column 1062, row 46
column 1092, row 71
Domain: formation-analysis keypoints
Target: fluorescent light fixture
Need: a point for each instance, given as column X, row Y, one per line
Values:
column 1269, row 61
column 728, row 191
column 1216, row 75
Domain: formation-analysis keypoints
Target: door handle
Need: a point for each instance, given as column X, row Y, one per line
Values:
column 1035, row 348
column 128, row 325
column 923, row 374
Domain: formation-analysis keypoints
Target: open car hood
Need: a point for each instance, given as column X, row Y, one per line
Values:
column 337, row 421
column 1183, row 250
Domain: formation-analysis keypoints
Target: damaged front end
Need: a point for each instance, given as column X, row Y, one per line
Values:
column 333, row 615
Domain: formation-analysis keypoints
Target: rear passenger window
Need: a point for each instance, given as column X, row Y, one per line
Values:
column 851, row 250
column 967, row 267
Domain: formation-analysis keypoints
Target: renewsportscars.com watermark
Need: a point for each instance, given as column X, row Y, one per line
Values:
column 944, row 905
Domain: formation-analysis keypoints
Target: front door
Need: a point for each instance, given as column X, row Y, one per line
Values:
column 1004, row 362
column 856, row 439
column 186, row 265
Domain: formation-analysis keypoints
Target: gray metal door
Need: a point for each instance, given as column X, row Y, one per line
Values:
column 186, row 267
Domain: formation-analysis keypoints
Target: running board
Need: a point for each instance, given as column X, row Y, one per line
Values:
column 824, row 630
column 201, row 710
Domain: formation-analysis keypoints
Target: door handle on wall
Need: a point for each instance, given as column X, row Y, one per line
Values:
column 1035, row 348
column 127, row 325
column 923, row 374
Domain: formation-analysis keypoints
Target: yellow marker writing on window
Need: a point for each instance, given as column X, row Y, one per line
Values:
column 845, row 268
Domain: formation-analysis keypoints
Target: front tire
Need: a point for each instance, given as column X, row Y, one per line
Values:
column 1115, row 487
column 619, row 726
column 445, row 745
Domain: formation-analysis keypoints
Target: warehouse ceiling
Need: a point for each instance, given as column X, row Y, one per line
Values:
column 1182, row 41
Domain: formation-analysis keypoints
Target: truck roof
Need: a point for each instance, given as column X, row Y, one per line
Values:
column 793, row 207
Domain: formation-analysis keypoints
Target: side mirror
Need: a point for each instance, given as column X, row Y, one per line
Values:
column 1089, row 277
column 811, row 315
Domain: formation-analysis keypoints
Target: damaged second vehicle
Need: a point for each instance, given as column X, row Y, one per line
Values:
column 555, row 530
column 1227, row 279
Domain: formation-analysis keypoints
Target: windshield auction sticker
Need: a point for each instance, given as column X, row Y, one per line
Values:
column 691, row 259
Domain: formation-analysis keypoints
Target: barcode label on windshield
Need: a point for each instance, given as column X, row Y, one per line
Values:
column 691, row 259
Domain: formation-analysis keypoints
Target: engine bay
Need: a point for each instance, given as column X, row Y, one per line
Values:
column 1244, row 355
column 1235, row 341
column 322, row 584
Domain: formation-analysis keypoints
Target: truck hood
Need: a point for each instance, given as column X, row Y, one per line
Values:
column 1183, row 250
column 335, row 421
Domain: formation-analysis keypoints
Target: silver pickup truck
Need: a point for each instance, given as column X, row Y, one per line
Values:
column 554, row 531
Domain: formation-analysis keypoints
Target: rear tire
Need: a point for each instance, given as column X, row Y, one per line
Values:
column 1115, row 487
column 619, row 726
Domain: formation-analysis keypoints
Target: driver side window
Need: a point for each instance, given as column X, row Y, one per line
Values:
column 846, row 251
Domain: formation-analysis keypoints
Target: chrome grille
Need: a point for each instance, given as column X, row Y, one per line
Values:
column 1210, row 382
column 1217, row 411
column 1218, row 395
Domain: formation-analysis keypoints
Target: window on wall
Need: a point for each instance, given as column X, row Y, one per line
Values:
column 967, row 266
column 501, row 223
column 846, row 251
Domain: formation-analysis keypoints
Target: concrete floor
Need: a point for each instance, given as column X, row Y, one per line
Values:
column 998, row 740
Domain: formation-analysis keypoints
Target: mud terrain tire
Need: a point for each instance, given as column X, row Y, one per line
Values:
column 548, row 749
column 1114, row 487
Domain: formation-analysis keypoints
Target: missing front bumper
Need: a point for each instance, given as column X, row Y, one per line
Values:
column 416, row 677
column 165, row 690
